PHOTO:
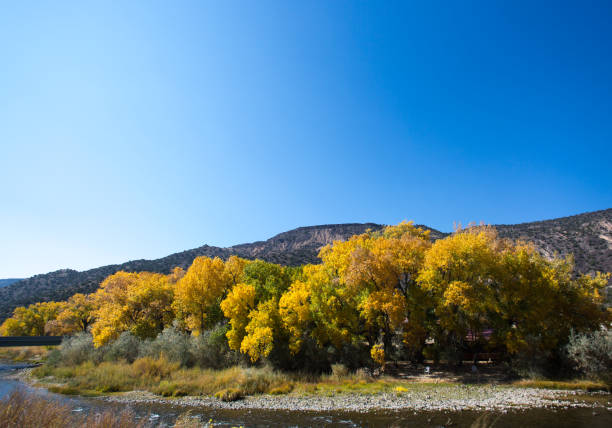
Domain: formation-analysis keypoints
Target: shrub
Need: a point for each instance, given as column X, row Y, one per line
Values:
column 62, row 389
column 170, row 389
column 111, row 377
column 591, row 353
column 173, row 344
column 126, row 347
column 285, row 388
column 156, row 369
column 74, row 350
column 363, row 374
column 339, row 371
column 378, row 355
column 210, row 349
column 229, row 394
column 27, row 353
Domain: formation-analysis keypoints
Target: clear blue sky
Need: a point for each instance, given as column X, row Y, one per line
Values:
column 137, row 129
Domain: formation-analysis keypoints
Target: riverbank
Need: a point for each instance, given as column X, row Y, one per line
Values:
column 422, row 404
column 426, row 398
column 349, row 393
column 24, row 354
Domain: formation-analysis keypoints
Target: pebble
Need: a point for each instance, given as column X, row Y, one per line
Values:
column 441, row 398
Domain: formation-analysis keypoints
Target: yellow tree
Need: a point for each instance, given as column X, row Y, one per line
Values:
column 135, row 302
column 531, row 303
column 110, row 301
column 460, row 274
column 199, row 292
column 77, row 315
column 31, row 321
column 234, row 267
column 258, row 341
column 252, row 306
column 296, row 313
column 239, row 301
column 176, row 274
column 365, row 288
column 539, row 301
column 380, row 271
column 236, row 307
column 317, row 306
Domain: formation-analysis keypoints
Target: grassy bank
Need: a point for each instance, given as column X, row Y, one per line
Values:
column 25, row 354
column 160, row 377
column 167, row 379
column 570, row 385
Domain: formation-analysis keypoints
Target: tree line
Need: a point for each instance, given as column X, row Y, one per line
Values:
column 389, row 294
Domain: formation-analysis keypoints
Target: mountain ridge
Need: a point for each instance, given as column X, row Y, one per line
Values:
column 588, row 236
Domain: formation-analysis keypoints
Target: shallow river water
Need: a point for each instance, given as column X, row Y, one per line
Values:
column 167, row 413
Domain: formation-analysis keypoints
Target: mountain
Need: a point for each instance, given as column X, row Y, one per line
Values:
column 295, row 247
column 8, row 281
column 588, row 236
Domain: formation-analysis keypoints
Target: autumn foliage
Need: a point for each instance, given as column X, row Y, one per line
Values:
column 386, row 294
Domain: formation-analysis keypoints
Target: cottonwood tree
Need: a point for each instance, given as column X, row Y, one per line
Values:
column 137, row 302
column 199, row 292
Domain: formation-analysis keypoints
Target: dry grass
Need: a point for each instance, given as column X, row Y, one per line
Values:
column 167, row 379
column 162, row 377
column 585, row 385
column 229, row 394
column 24, row 353
column 152, row 368
column 22, row 410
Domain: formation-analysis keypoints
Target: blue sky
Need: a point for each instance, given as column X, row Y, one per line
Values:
column 137, row 129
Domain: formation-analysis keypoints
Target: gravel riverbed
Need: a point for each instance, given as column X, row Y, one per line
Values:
column 436, row 398
column 452, row 398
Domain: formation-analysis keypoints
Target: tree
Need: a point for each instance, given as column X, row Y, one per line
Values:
column 260, row 331
column 137, row 302
column 269, row 279
column 364, row 289
column 236, row 307
column 459, row 274
column 199, row 292
column 318, row 307
column 31, row 321
column 234, row 267
column 76, row 316
column 379, row 272
column 538, row 301
column 252, row 306
column 478, row 280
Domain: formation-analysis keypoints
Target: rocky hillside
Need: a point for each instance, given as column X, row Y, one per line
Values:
column 588, row 236
column 8, row 281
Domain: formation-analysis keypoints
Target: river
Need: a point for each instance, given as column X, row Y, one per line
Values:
column 165, row 414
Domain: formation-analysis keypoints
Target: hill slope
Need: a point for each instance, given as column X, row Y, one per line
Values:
column 588, row 236
column 8, row 281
